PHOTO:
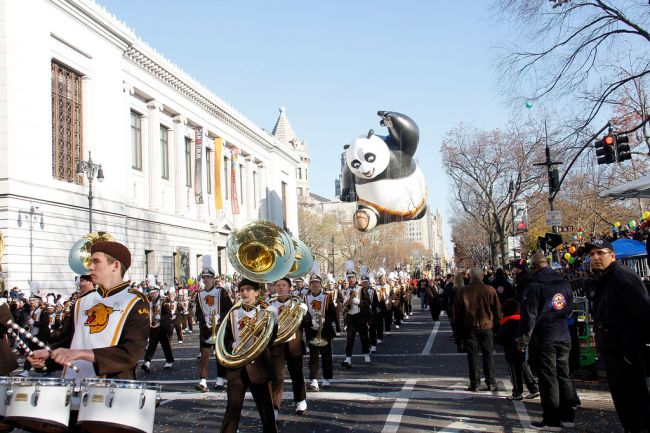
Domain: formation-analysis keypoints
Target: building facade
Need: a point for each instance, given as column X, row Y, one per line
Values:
column 181, row 167
column 284, row 132
column 428, row 232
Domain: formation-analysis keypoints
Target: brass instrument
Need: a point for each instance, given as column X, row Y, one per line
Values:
column 289, row 319
column 154, row 312
column 261, row 251
column 253, row 339
column 79, row 254
column 347, row 305
column 318, row 340
column 303, row 259
column 213, row 322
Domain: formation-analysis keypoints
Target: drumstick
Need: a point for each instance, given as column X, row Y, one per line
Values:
column 7, row 320
column 20, row 343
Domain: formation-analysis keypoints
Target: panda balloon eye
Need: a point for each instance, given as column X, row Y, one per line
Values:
column 370, row 157
column 356, row 164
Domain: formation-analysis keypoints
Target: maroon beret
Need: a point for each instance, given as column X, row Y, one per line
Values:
column 114, row 249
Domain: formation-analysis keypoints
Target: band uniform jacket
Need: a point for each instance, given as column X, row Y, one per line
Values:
column 225, row 304
column 295, row 345
column 260, row 370
column 119, row 360
column 329, row 318
column 8, row 361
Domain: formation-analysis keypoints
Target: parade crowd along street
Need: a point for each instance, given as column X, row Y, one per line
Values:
column 93, row 344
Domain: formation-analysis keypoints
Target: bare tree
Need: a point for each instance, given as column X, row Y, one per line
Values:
column 566, row 51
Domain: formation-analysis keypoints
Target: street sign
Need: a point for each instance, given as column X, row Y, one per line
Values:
column 565, row 229
column 553, row 217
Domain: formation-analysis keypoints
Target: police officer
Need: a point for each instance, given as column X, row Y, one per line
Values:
column 622, row 316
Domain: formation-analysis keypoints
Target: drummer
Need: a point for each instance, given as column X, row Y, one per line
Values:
column 110, row 324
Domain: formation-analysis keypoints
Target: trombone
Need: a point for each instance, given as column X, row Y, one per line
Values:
column 319, row 341
column 213, row 323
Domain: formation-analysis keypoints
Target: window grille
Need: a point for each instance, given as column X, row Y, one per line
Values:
column 66, row 123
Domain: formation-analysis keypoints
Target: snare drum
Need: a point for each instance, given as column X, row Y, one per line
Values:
column 39, row 404
column 4, row 385
column 117, row 406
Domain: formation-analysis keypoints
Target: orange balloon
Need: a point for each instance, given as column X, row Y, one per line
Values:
column 572, row 249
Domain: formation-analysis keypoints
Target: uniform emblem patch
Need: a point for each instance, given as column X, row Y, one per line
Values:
column 315, row 305
column 209, row 300
column 558, row 302
column 98, row 317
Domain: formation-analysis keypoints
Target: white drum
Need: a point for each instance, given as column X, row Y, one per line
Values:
column 39, row 404
column 117, row 406
column 5, row 382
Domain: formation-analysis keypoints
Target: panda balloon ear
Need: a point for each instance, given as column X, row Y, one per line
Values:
column 346, row 146
column 370, row 133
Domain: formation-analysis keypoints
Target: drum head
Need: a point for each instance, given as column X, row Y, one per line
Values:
column 103, row 427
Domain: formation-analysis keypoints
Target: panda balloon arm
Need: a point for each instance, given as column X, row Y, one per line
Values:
column 403, row 131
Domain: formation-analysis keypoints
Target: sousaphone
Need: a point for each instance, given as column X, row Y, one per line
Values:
column 79, row 255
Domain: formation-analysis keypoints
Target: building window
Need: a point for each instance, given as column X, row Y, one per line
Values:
column 299, row 172
column 66, row 123
column 188, row 162
column 241, row 184
column 284, row 205
column 136, row 141
column 299, row 192
column 226, row 179
column 164, row 152
column 208, row 170
column 256, row 195
column 306, row 174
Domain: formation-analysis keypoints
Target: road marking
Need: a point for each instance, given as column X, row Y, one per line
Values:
column 434, row 332
column 460, row 425
column 520, row 408
column 374, row 355
column 395, row 416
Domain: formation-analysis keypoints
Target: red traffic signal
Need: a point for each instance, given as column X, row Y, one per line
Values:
column 605, row 152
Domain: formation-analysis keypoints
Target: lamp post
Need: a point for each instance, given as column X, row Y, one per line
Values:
column 91, row 170
column 31, row 215
column 332, row 256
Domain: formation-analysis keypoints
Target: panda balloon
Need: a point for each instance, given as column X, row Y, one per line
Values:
column 381, row 175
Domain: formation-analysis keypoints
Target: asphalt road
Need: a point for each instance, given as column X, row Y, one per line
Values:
column 416, row 383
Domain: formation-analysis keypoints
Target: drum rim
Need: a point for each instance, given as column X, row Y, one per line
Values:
column 43, row 381
column 119, row 383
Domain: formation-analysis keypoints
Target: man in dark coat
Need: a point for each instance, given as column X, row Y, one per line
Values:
column 522, row 276
column 502, row 286
column 476, row 312
column 546, row 306
column 622, row 318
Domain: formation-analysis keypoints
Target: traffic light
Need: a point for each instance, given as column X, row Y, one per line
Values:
column 623, row 148
column 554, row 180
column 605, row 151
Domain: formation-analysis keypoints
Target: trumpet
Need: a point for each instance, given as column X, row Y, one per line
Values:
column 213, row 322
column 318, row 340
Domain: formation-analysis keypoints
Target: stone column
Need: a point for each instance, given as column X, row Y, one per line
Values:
column 250, row 188
column 129, row 188
column 178, row 161
column 153, row 145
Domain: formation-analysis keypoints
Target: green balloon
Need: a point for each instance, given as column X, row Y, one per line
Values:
column 529, row 104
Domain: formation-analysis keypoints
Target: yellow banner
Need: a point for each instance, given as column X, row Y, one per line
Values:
column 218, row 161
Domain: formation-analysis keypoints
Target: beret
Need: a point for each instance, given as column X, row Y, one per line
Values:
column 247, row 282
column 114, row 249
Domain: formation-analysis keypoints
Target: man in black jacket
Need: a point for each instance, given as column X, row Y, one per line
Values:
column 547, row 303
column 622, row 316
column 522, row 276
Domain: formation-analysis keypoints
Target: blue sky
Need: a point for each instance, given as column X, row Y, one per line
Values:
column 334, row 64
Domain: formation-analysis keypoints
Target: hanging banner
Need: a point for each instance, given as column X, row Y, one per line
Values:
column 198, row 160
column 520, row 216
column 234, row 199
column 218, row 160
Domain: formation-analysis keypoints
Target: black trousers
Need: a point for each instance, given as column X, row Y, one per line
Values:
column 520, row 374
column 279, row 357
column 483, row 340
column 397, row 315
column 163, row 337
column 379, row 323
column 388, row 319
column 178, row 326
column 629, row 387
column 372, row 332
column 555, row 385
column 237, row 386
column 325, row 352
column 356, row 325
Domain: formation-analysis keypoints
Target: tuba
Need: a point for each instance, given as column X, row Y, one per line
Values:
column 79, row 255
column 289, row 319
column 303, row 259
column 262, row 252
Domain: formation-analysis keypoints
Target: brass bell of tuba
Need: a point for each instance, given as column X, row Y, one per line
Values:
column 253, row 339
column 303, row 261
column 79, row 255
column 261, row 251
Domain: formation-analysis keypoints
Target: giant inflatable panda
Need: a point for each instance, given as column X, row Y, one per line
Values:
column 381, row 175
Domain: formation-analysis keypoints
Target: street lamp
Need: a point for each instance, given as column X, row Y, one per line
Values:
column 31, row 215
column 90, row 169
column 332, row 256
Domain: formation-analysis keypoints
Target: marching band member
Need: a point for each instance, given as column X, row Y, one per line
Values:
column 184, row 309
column 368, row 286
column 333, row 292
column 175, row 309
column 8, row 362
column 299, row 287
column 39, row 326
column 255, row 376
column 321, row 314
column 356, row 319
column 109, row 326
column 289, row 353
column 383, row 299
column 161, row 330
column 86, row 284
column 396, row 300
column 212, row 303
